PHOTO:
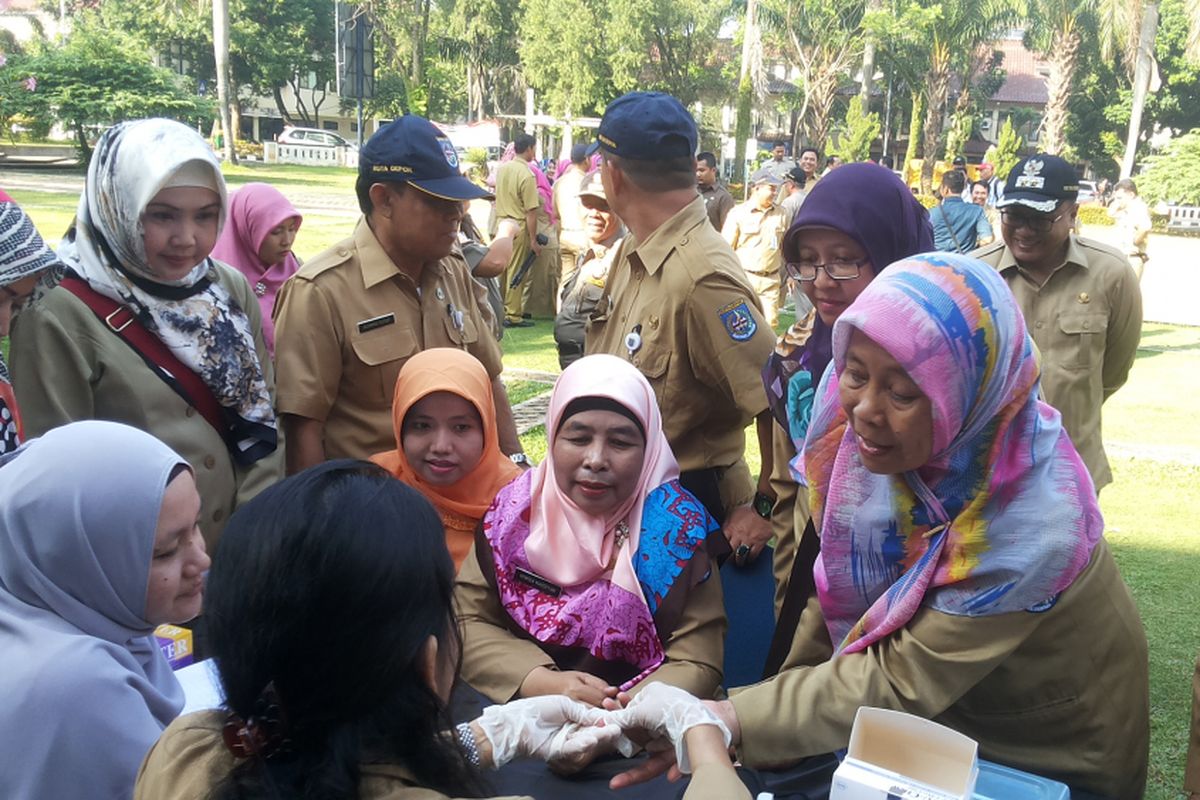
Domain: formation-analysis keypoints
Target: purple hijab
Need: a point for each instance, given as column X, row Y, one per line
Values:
column 873, row 207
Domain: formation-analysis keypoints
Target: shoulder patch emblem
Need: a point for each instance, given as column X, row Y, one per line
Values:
column 738, row 321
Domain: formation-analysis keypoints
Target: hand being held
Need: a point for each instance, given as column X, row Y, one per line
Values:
column 581, row 686
column 552, row 728
column 663, row 712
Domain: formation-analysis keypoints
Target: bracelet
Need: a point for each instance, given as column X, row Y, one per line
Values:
column 466, row 738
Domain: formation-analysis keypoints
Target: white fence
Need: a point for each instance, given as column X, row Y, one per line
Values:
column 312, row 155
column 1184, row 218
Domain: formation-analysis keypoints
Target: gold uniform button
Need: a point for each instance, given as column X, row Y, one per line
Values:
column 1038, row 324
column 1086, row 325
column 683, row 242
column 209, row 462
column 343, row 252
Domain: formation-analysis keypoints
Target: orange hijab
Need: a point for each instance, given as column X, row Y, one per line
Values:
column 462, row 504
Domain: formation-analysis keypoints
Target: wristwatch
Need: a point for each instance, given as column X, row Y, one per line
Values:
column 521, row 460
column 763, row 504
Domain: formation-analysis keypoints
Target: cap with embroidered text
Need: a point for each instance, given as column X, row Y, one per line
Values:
column 646, row 126
column 411, row 150
column 1040, row 182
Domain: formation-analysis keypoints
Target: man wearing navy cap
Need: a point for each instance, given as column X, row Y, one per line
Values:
column 1080, row 298
column 351, row 317
column 679, row 308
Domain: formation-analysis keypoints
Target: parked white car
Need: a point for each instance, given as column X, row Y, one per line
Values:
column 313, row 137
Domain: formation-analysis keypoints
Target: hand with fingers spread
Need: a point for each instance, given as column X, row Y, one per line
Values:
column 581, row 686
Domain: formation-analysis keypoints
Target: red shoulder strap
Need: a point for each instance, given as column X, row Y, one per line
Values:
column 121, row 321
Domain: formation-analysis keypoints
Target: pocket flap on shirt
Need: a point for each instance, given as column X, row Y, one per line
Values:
column 653, row 361
column 384, row 345
column 1083, row 323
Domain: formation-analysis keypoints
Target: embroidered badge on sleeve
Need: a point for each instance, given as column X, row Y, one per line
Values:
column 738, row 321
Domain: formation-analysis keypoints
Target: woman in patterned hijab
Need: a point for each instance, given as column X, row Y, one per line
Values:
column 26, row 267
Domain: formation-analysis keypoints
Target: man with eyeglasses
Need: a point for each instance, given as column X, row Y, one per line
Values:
column 1080, row 298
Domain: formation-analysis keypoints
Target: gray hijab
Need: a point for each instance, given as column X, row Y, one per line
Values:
column 86, row 690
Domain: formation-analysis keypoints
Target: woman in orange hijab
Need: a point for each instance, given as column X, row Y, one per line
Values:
column 446, row 441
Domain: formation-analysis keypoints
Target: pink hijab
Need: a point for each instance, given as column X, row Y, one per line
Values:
column 566, row 544
column 254, row 211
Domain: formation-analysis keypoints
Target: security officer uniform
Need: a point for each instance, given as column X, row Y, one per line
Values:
column 679, row 308
column 350, row 318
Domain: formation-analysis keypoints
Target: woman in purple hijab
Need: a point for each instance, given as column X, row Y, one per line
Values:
column 855, row 221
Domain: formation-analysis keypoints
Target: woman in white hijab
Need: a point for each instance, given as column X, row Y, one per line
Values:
column 146, row 328
column 98, row 545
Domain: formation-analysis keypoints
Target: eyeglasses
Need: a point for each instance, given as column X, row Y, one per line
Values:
column 1035, row 224
column 839, row 269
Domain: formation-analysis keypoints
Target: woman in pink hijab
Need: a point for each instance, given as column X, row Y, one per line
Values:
column 257, row 241
column 591, row 573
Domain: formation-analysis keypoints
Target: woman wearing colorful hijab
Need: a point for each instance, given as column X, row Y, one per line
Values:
column 446, row 441
column 963, row 575
column 855, row 221
column 591, row 572
column 257, row 241
column 98, row 545
column 146, row 328
column 27, row 266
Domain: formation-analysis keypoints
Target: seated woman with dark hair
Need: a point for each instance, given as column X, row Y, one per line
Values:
column 331, row 619
column 99, row 544
column 591, row 573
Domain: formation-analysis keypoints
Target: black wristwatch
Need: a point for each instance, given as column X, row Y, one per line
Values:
column 763, row 504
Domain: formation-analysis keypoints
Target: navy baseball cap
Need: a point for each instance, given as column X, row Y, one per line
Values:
column 646, row 126
column 1040, row 182
column 411, row 150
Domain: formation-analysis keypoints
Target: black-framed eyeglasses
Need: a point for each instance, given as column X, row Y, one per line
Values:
column 1037, row 224
column 839, row 269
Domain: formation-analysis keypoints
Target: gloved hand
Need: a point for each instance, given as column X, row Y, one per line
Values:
column 550, row 727
column 666, row 712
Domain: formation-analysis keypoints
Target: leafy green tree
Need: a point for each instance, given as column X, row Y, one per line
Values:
column 1008, row 149
column 1173, row 175
column 564, row 55
column 96, row 77
column 667, row 45
column 861, row 131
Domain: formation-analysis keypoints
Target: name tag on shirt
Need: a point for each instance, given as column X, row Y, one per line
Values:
column 538, row 582
column 381, row 321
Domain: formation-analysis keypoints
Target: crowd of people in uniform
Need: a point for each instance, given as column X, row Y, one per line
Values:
column 317, row 464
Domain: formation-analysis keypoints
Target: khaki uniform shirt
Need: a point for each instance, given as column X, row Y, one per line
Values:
column 68, row 366
column 1086, row 321
column 1062, row 693
column 683, row 299
column 516, row 193
column 718, row 202
column 496, row 661
column 756, row 236
column 349, row 320
column 570, row 211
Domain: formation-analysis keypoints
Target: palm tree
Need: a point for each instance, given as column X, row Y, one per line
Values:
column 1055, row 33
column 221, row 57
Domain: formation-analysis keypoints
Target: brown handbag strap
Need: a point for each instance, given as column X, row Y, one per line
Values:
column 181, row 378
column 800, row 588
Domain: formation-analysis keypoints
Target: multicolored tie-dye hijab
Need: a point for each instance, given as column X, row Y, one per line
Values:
column 1003, row 517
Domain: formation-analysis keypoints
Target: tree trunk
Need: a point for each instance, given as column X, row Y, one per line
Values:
column 1141, row 83
column 745, row 96
column 1063, row 57
column 913, row 150
column 221, row 56
column 868, row 62
column 936, row 86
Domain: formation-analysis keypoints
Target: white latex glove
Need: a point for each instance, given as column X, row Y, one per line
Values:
column 539, row 727
column 664, row 711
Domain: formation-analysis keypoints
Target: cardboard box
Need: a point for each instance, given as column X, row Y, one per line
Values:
column 176, row 645
column 894, row 755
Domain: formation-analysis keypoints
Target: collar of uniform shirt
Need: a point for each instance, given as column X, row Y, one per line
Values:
column 1074, row 256
column 376, row 265
column 658, row 246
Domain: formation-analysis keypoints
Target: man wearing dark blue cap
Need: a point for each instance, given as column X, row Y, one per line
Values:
column 680, row 309
column 351, row 317
column 1080, row 298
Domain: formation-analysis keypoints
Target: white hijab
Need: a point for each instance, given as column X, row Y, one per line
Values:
column 86, row 690
column 195, row 316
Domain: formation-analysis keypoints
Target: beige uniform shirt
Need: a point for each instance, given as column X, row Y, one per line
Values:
column 516, row 192
column 349, row 320
column 1062, row 693
column 682, row 298
column 570, row 211
column 756, row 236
column 1086, row 321
column 68, row 366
